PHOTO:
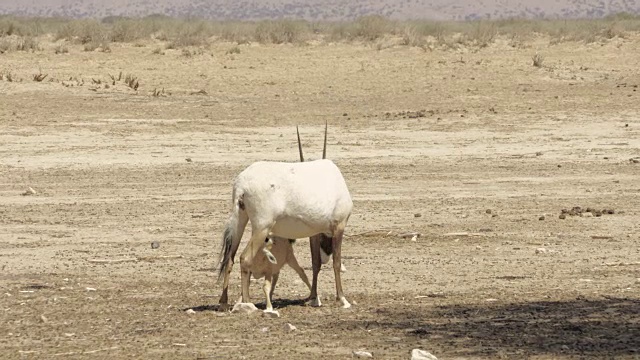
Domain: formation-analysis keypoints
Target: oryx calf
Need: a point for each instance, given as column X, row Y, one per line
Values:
column 293, row 201
column 282, row 250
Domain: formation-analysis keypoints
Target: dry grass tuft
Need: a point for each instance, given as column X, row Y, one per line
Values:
column 281, row 32
column 537, row 60
column 131, row 81
column 233, row 50
column 61, row 49
column 7, row 76
column 39, row 77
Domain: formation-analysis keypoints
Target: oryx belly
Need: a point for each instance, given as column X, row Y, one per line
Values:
column 294, row 228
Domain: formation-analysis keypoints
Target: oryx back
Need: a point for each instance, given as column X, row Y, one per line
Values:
column 297, row 199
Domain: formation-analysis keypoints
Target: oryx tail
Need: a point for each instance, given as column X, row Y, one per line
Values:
column 232, row 234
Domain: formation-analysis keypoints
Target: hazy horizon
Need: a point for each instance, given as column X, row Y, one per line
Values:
column 322, row 10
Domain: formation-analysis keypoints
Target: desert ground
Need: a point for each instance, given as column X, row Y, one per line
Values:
column 476, row 149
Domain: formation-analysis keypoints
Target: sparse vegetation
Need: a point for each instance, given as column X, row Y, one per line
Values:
column 21, row 33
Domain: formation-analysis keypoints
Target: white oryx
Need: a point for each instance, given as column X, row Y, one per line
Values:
column 293, row 201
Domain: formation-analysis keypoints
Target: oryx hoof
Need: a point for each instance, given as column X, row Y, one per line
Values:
column 271, row 313
column 345, row 303
column 315, row 302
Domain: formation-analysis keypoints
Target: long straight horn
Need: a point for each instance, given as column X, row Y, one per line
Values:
column 324, row 148
column 299, row 145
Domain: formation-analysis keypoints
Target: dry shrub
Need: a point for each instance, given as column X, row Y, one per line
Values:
column 84, row 32
column 97, row 45
column 28, row 43
column 233, row 50
column 61, row 49
column 10, row 26
column 281, row 32
column 6, row 45
column 411, row 37
column 190, row 34
column 372, row 27
column 537, row 60
column 236, row 31
column 126, row 31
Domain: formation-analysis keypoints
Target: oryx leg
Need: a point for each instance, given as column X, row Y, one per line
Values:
column 316, row 263
column 274, row 281
column 258, row 236
column 293, row 262
column 337, row 262
column 267, row 287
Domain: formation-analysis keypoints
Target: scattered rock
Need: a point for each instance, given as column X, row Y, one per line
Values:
column 190, row 311
column 362, row 354
column 488, row 211
column 541, row 218
column 155, row 244
column 417, row 354
column 44, row 319
column 417, row 215
column 271, row 314
column 188, row 159
column 289, row 327
column 541, row 251
column 588, row 212
column 29, row 191
column 244, row 308
column 264, row 329
column 90, row 289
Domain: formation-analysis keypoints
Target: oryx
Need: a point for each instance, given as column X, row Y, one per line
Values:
column 293, row 201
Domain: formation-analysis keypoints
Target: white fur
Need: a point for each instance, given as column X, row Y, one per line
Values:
column 294, row 200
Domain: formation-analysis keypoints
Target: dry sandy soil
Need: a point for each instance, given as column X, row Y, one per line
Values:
column 110, row 171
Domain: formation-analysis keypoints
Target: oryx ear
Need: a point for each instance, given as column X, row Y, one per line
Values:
column 299, row 145
column 324, row 148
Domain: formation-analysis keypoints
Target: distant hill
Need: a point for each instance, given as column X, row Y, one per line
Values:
column 322, row 9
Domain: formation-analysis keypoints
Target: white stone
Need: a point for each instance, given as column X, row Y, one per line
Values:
column 190, row 311
column 362, row 354
column 244, row 308
column 541, row 251
column 289, row 327
column 417, row 354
